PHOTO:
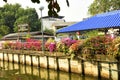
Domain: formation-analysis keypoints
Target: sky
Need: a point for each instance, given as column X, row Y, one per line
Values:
column 77, row 10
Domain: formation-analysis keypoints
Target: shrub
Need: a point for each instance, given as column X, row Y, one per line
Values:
column 114, row 48
column 64, row 44
column 32, row 44
column 76, row 47
column 6, row 45
column 50, row 45
column 97, row 45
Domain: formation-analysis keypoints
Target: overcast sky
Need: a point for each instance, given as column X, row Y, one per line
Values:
column 76, row 12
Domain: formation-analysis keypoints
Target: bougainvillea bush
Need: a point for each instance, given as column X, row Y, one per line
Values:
column 50, row 45
column 76, row 47
column 114, row 48
column 29, row 44
column 6, row 45
column 97, row 45
column 64, row 45
column 32, row 44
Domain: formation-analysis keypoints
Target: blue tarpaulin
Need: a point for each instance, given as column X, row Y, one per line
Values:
column 104, row 20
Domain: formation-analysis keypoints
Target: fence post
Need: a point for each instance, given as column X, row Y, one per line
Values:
column 99, row 69
column 3, row 56
column 13, row 57
column 13, row 60
column 118, row 66
column 38, row 61
column 25, row 59
column 8, row 57
column 83, row 67
column 69, row 65
column 18, row 58
column 110, row 72
column 57, row 63
column 47, row 62
column 31, row 60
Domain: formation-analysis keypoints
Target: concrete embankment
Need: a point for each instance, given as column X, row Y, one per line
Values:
column 95, row 68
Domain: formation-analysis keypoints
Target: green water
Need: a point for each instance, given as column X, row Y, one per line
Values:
column 10, row 71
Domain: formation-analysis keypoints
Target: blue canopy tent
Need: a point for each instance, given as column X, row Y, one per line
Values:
column 104, row 20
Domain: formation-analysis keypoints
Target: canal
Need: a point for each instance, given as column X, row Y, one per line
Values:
column 13, row 71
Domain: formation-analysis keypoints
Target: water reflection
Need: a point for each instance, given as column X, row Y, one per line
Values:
column 10, row 71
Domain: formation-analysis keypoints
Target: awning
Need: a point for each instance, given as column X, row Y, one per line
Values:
column 104, row 20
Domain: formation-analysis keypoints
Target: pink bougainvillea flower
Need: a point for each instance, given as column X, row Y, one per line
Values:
column 52, row 47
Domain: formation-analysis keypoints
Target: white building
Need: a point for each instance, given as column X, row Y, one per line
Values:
column 48, row 21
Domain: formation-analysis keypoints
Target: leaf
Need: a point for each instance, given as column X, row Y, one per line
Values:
column 67, row 3
column 48, row 0
column 50, row 13
column 56, row 5
column 5, row 0
column 50, row 5
column 55, row 13
column 35, row 1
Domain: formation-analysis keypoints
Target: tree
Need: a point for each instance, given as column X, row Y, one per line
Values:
column 100, row 6
column 4, row 30
column 7, row 16
column 49, row 31
column 27, row 16
column 53, row 6
column 13, row 15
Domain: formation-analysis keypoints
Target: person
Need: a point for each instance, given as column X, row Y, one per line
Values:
column 78, row 35
column 70, row 36
column 111, row 33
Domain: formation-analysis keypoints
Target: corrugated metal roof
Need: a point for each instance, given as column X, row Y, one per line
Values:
column 104, row 20
column 23, row 34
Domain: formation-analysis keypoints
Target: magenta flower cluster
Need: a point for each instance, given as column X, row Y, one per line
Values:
column 68, row 42
column 29, row 44
column 52, row 47
column 32, row 44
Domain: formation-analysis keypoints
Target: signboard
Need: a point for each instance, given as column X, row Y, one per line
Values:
column 23, row 27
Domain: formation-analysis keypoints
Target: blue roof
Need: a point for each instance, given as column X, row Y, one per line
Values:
column 104, row 20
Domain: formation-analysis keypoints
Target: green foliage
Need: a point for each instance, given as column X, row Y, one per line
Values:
column 91, row 33
column 4, row 30
column 6, row 45
column 61, row 47
column 27, row 16
column 100, row 6
column 13, row 15
column 28, row 36
column 50, row 40
column 7, row 16
column 50, row 31
column 114, row 48
column 97, row 45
